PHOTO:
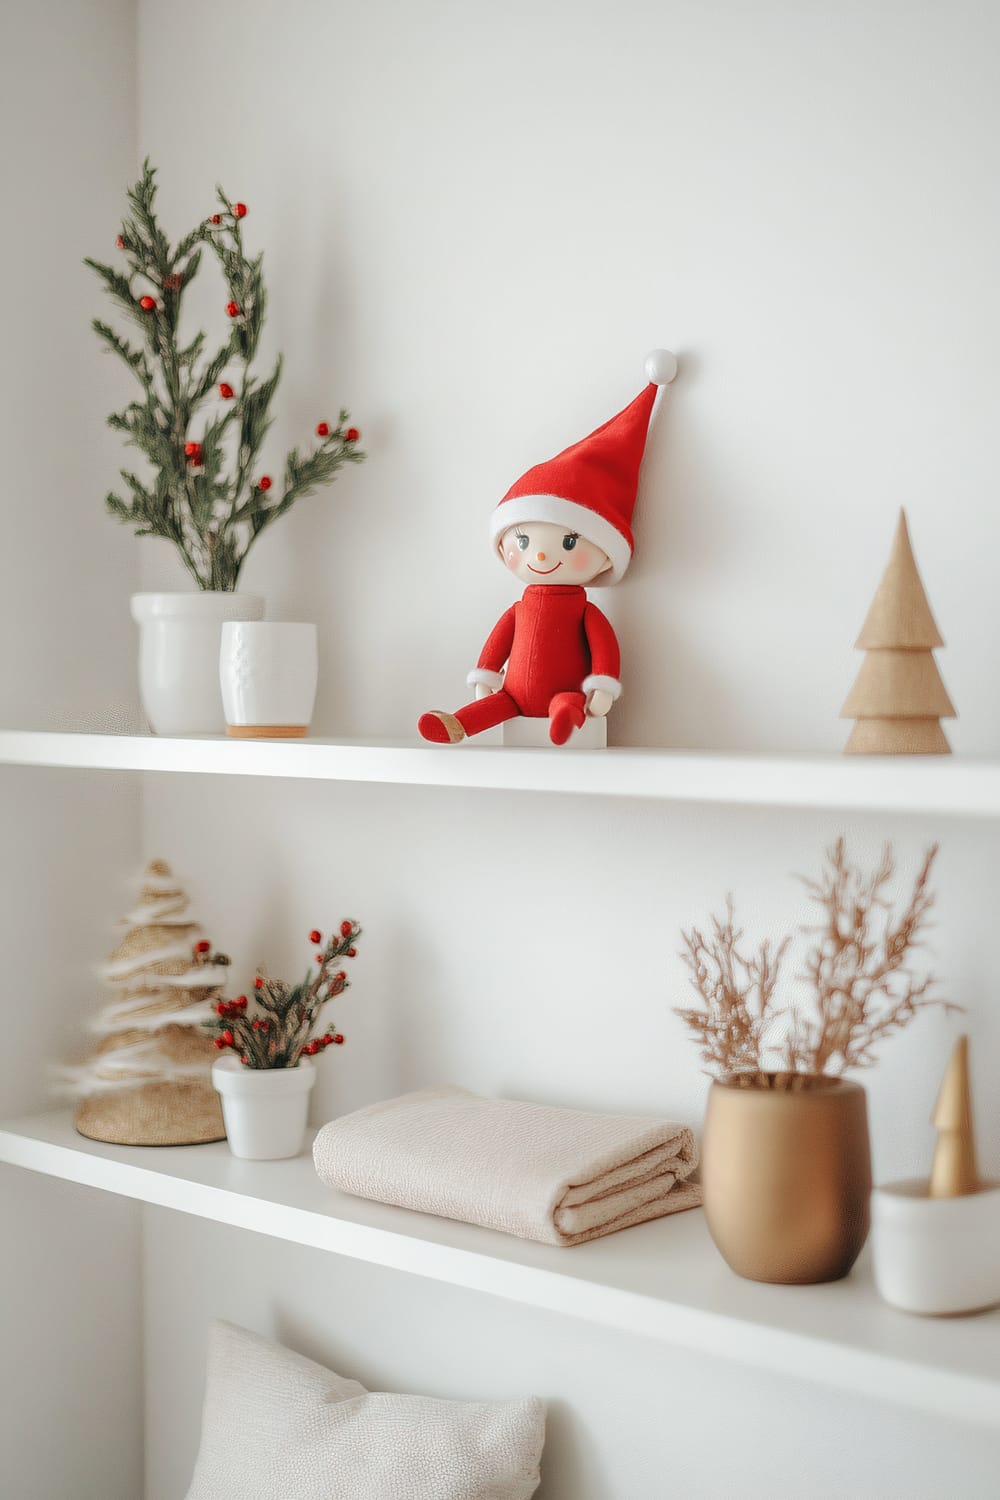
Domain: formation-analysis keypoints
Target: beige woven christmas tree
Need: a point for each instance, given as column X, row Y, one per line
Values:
column 898, row 698
column 148, row 1080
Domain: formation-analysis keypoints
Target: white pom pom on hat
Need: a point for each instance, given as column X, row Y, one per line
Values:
column 590, row 487
column 661, row 366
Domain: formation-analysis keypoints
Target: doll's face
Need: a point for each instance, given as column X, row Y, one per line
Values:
column 541, row 552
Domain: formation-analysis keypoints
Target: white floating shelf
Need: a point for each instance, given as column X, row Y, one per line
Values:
column 926, row 785
column 662, row 1280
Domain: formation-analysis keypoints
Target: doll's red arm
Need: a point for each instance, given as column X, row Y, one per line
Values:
column 605, row 655
column 496, row 651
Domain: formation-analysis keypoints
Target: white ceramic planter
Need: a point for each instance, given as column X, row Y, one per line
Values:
column 936, row 1256
column 268, row 671
column 264, row 1109
column 179, row 641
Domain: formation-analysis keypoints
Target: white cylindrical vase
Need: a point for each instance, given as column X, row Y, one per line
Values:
column 268, row 672
column 179, row 640
column 936, row 1256
column 264, row 1109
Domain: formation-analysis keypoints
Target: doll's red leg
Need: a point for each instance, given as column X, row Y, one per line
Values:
column 485, row 713
column 567, row 712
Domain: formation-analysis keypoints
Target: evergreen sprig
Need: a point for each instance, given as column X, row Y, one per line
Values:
column 204, row 493
column 278, row 1028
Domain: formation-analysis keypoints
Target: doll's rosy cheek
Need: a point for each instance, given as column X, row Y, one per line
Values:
column 511, row 557
column 581, row 559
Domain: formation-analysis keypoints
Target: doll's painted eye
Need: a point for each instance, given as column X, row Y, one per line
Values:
column 522, row 540
column 570, row 540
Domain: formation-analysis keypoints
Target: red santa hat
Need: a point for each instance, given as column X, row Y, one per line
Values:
column 591, row 487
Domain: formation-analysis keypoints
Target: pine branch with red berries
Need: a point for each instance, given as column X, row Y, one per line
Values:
column 279, row 1025
column 202, row 417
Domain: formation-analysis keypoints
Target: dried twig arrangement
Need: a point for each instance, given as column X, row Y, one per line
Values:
column 859, row 968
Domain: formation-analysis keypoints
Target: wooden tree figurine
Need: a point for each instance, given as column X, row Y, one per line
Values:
column 148, row 1081
column 954, row 1173
column 898, row 698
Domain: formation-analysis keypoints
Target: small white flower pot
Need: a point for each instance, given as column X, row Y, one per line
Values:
column 179, row 640
column 265, row 1109
column 937, row 1256
column 268, row 671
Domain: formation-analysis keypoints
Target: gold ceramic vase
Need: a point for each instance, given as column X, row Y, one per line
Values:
column 786, row 1174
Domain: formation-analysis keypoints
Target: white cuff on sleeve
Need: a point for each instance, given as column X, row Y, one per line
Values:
column 486, row 677
column 599, row 684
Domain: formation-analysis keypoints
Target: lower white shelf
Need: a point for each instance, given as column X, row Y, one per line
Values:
column 662, row 1280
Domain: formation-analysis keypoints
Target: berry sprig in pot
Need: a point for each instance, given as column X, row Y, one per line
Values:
column 280, row 1024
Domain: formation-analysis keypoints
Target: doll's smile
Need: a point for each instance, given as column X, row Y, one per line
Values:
column 542, row 570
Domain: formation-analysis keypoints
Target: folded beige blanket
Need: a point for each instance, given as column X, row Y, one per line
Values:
column 561, row 1176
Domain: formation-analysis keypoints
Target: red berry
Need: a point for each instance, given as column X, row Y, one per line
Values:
column 338, row 1040
column 222, row 1007
column 202, row 946
column 258, row 983
column 227, row 1038
column 315, row 937
column 352, row 952
column 346, row 928
column 319, row 958
column 264, row 482
column 233, row 309
column 147, row 303
column 241, row 1002
column 239, row 210
column 226, row 391
column 219, row 1042
column 120, row 243
column 351, row 435
column 322, row 429
column 216, row 218
column 244, row 1058
column 339, row 977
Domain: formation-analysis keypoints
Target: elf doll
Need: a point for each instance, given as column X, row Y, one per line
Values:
column 563, row 526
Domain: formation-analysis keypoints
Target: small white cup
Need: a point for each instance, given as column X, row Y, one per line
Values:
column 268, row 671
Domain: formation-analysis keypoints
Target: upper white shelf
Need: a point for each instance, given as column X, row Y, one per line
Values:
column 934, row 784
column 662, row 1280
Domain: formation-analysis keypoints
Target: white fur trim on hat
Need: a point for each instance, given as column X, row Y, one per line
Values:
column 598, row 684
column 484, row 676
column 560, row 512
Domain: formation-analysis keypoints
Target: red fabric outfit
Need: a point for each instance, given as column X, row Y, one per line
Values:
column 552, row 640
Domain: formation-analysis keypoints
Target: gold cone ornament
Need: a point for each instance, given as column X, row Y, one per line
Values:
column 898, row 698
column 954, row 1172
column 148, row 1080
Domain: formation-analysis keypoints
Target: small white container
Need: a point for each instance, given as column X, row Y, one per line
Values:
column 268, row 671
column 936, row 1256
column 179, row 636
column 265, row 1109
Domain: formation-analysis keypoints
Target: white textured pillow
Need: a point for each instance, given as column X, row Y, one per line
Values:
column 278, row 1427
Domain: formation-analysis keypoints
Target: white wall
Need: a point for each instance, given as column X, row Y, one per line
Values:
column 476, row 220
column 71, row 1415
